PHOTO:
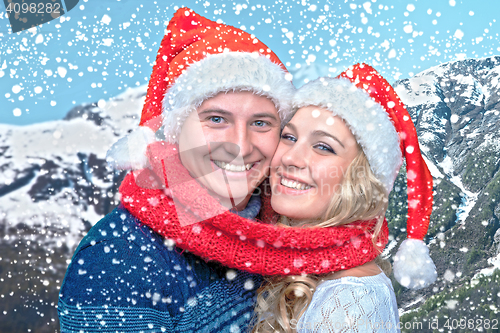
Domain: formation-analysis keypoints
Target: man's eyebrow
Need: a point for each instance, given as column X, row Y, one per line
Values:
column 323, row 133
column 265, row 115
column 227, row 113
column 219, row 111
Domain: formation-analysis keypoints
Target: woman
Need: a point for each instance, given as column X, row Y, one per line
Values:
column 335, row 166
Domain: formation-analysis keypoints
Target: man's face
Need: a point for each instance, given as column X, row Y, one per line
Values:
column 228, row 144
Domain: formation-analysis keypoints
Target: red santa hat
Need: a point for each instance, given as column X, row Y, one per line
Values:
column 198, row 59
column 382, row 126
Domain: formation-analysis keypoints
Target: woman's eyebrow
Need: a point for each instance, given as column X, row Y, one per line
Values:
column 323, row 133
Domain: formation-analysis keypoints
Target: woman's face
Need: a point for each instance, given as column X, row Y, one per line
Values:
column 314, row 152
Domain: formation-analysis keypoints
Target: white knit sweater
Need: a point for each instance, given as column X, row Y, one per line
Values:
column 352, row 304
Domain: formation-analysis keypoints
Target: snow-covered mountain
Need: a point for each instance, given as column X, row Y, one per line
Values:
column 56, row 171
column 55, row 184
column 456, row 110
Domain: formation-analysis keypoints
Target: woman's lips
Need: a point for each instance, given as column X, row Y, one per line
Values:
column 292, row 187
column 294, row 184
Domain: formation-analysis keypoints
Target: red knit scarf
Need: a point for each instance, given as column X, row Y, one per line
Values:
column 254, row 246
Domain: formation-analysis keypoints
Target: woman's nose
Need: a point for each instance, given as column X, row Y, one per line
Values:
column 296, row 156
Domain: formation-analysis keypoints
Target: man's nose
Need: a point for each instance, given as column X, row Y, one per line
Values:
column 239, row 141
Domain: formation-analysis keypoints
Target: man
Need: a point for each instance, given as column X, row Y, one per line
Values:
column 220, row 96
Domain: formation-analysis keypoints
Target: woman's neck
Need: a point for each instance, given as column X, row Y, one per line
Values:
column 368, row 269
column 289, row 222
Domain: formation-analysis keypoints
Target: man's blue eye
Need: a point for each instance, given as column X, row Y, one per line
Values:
column 260, row 123
column 216, row 119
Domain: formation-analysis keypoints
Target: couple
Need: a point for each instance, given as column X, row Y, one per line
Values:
column 252, row 179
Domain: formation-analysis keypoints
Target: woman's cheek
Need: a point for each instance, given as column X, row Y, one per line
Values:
column 278, row 154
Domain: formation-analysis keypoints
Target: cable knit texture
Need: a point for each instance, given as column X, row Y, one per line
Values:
column 234, row 241
column 352, row 305
column 125, row 278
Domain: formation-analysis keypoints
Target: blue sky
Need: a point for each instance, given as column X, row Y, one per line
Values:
column 102, row 47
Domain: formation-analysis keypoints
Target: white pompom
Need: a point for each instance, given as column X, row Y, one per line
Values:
column 413, row 266
column 130, row 151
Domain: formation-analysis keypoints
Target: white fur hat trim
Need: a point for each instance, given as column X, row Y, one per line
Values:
column 367, row 120
column 413, row 266
column 130, row 151
column 224, row 72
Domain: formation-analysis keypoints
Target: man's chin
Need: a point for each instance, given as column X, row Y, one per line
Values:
column 228, row 195
column 239, row 200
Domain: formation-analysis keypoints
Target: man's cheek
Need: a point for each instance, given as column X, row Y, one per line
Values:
column 270, row 147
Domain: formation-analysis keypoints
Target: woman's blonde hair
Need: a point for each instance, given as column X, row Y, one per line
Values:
column 282, row 300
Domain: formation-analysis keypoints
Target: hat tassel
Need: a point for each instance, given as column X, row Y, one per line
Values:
column 130, row 151
column 413, row 266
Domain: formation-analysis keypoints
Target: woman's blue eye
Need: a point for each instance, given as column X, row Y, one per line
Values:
column 288, row 137
column 325, row 148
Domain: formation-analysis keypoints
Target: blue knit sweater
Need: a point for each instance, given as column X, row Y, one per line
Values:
column 124, row 278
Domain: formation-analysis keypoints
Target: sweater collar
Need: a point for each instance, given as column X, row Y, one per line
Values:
column 252, row 209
